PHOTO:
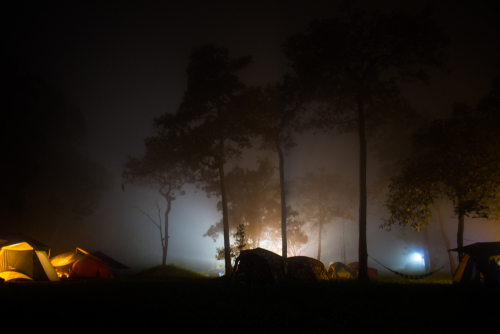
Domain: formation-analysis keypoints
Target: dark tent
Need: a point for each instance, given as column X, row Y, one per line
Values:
column 259, row 265
column 467, row 271
column 354, row 266
column 305, row 268
column 339, row 270
column 480, row 263
column 109, row 261
column 480, row 249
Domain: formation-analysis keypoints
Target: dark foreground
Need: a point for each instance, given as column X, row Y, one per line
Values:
column 211, row 305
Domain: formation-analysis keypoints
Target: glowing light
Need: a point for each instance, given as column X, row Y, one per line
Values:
column 416, row 257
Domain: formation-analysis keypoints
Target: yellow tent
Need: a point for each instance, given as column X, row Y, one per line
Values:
column 22, row 261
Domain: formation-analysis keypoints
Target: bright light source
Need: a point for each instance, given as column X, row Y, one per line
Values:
column 416, row 257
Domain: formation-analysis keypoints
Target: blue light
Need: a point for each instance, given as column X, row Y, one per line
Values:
column 416, row 257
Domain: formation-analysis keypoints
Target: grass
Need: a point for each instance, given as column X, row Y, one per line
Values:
column 175, row 298
column 170, row 271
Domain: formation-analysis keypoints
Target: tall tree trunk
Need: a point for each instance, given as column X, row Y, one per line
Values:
column 460, row 235
column 225, row 220
column 165, row 239
column 283, row 204
column 430, row 264
column 445, row 237
column 343, row 257
column 363, row 249
column 460, row 232
column 319, row 240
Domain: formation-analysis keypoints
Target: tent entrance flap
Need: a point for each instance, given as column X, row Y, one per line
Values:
column 47, row 267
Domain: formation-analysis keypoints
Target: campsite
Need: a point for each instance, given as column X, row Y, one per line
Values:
column 325, row 166
column 306, row 300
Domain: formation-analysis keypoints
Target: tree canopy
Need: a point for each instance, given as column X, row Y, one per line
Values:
column 253, row 200
column 213, row 119
column 454, row 158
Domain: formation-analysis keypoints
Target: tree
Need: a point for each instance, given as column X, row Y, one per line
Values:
column 296, row 238
column 456, row 159
column 239, row 236
column 163, row 167
column 212, row 116
column 252, row 197
column 253, row 200
column 277, row 116
column 323, row 197
column 445, row 236
column 352, row 64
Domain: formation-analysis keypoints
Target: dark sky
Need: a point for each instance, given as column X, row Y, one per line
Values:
column 123, row 63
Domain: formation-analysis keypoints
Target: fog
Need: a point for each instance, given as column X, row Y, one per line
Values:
column 124, row 65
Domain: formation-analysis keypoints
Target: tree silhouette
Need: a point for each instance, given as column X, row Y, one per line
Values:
column 213, row 118
column 163, row 167
column 276, row 116
column 352, row 64
column 454, row 158
column 252, row 200
column 323, row 197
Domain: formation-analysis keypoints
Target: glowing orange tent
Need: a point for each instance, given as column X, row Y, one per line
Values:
column 90, row 267
column 79, row 263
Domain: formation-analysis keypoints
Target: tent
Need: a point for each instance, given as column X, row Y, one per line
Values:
column 109, row 261
column 79, row 263
column 479, row 249
column 63, row 263
column 306, row 269
column 23, row 261
column 372, row 272
column 479, row 264
column 259, row 265
column 7, row 238
column 339, row 270
column 467, row 271
column 90, row 267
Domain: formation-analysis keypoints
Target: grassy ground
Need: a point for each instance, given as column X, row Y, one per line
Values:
column 189, row 301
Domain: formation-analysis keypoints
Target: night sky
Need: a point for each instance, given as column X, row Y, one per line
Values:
column 123, row 64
